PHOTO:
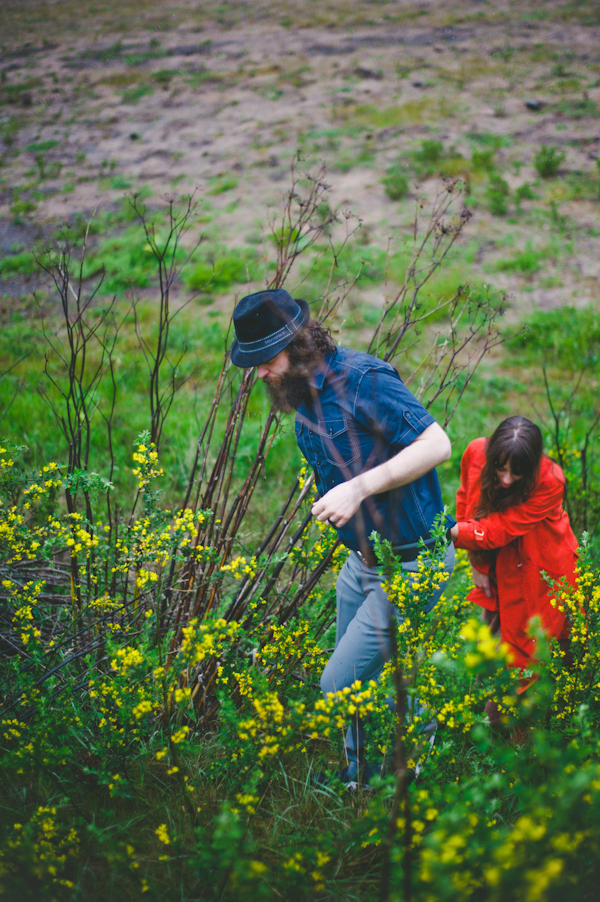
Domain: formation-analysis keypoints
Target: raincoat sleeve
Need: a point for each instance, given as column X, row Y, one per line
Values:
column 501, row 528
column 461, row 495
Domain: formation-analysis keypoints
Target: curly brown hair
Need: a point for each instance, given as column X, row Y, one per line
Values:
column 516, row 442
column 309, row 347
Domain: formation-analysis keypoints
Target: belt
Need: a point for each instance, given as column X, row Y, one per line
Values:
column 406, row 553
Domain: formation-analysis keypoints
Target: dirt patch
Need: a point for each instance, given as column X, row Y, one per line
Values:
column 225, row 110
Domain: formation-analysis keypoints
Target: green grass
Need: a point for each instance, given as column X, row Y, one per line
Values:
column 349, row 158
column 578, row 109
column 221, row 269
column 489, row 140
column 134, row 94
column 125, row 259
column 42, row 146
column 528, row 262
column 119, row 182
column 219, row 184
column 204, row 341
column 370, row 116
column 568, row 335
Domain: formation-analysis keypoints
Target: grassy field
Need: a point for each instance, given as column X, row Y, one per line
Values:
column 182, row 771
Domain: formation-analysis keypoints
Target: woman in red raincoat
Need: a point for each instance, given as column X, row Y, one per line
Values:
column 511, row 520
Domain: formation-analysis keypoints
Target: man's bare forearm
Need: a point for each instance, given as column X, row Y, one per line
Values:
column 429, row 449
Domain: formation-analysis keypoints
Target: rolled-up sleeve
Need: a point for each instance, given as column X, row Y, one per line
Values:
column 386, row 406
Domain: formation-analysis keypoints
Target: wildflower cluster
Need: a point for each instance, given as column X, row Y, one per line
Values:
column 123, row 698
column 51, row 848
column 240, row 567
column 17, row 541
column 288, row 645
column 49, row 477
column 146, row 458
column 575, row 667
column 126, row 717
column 204, row 640
column 25, row 609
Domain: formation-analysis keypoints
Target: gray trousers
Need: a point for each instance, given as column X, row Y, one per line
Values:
column 362, row 642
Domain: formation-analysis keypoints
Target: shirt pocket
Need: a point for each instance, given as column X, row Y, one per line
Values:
column 340, row 448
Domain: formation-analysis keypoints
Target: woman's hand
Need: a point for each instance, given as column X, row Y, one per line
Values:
column 482, row 581
column 454, row 532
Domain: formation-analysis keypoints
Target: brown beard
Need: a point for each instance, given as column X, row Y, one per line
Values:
column 288, row 392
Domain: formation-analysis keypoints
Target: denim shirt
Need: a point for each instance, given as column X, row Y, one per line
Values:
column 361, row 415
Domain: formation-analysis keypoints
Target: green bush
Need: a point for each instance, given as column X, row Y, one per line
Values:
column 431, row 151
column 395, row 183
column 483, row 160
column 547, row 161
column 497, row 194
column 23, row 263
column 524, row 192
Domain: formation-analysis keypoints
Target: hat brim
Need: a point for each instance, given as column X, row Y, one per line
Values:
column 247, row 359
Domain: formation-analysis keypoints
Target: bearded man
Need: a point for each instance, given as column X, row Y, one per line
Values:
column 373, row 448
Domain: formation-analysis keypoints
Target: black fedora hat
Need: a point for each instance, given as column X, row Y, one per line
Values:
column 265, row 323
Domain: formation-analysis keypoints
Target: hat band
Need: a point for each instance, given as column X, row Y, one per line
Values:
column 275, row 337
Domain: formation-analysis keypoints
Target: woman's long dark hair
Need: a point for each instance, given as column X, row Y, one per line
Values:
column 516, row 442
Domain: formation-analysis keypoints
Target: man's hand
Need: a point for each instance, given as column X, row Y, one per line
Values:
column 482, row 581
column 340, row 503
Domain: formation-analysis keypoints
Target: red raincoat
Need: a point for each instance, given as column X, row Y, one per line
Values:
column 513, row 547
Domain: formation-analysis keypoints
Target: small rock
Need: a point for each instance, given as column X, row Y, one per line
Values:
column 420, row 84
column 535, row 105
column 134, row 136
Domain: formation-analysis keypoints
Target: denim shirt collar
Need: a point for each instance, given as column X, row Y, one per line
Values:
column 317, row 377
